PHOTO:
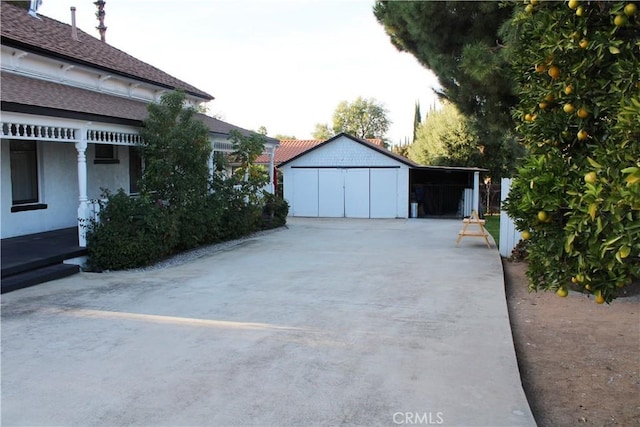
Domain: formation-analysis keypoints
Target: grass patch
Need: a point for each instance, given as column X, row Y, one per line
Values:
column 492, row 225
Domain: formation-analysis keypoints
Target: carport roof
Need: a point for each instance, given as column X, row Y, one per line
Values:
column 451, row 168
column 382, row 150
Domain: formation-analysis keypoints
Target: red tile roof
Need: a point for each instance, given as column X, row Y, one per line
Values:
column 290, row 148
column 47, row 36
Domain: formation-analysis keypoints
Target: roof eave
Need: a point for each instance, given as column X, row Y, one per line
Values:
column 55, row 55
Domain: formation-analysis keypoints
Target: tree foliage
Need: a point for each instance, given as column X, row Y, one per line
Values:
column 449, row 138
column 176, row 150
column 322, row 132
column 417, row 120
column 446, row 138
column 362, row 118
column 460, row 42
column 577, row 68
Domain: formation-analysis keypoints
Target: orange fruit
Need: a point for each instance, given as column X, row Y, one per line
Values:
column 573, row 4
column 542, row 105
column 590, row 177
column 630, row 9
column 599, row 297
column 525, row 235
column 580, row 11
column 554, row 72
column 568, row 90
column 582, row 135
column 541, row 68
column 562, row 292
column 584, row 43
column 568, row 108
column 583, row 113
column 620, row 21
column 543, row 216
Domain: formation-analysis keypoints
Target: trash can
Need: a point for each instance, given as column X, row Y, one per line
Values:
column 414, row 210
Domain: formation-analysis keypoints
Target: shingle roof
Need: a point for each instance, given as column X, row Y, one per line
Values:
column 71, row 101
column 290, row 148
column 47, row 36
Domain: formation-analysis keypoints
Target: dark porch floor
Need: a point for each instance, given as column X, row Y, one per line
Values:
column 37, row 258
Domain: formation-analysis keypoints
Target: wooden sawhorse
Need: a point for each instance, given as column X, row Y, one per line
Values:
column 480, row 232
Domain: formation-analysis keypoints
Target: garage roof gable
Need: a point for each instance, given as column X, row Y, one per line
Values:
column 365, row 143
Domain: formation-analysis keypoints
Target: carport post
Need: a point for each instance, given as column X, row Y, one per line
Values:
column 476, row 191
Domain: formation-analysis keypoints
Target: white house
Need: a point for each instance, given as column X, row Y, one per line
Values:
column 72, row 107
column 349, row 177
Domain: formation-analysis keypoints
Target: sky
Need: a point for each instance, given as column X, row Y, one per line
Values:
column 281, row 64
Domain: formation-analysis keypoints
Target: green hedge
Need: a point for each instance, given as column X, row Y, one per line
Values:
column 138, row 231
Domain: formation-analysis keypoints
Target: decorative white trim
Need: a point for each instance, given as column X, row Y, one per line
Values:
column 64, row 68
column 223, row 146
column 103, row 79
column 15, row 59
column 96, row 136
column 15, row 130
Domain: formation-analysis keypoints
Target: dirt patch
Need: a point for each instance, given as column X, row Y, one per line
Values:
column 579, row 361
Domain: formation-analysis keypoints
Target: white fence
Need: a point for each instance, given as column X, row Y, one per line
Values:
column 509, row 235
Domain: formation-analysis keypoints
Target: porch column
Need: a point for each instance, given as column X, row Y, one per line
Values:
column 211, row 163
column 83, row 206
column 272, row 156
column 476, row 192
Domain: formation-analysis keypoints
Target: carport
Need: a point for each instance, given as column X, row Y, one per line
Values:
column 445, row 191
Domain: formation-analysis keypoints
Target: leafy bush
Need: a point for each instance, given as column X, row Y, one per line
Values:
column 131, row 232
column 181, row 206
column 274, row 212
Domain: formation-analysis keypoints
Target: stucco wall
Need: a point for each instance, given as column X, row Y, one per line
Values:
column 58, row 183
column 111, row 176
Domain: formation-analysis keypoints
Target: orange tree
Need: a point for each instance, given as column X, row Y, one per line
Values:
column 577, row 71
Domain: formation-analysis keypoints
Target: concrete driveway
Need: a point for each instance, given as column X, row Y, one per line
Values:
column 328, row 322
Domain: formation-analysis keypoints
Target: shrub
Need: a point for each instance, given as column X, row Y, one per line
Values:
column 274, row 211
column 131, row 232
column 181, row 206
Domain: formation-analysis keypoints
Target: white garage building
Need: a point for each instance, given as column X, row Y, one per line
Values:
column 347, row 177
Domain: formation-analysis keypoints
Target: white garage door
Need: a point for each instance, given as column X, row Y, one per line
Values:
column 305, row 192
column 345, row 192
column 356, row 193
column 384, row 193
column 330, row 193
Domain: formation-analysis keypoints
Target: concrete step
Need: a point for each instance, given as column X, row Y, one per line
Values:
column 38, row 275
